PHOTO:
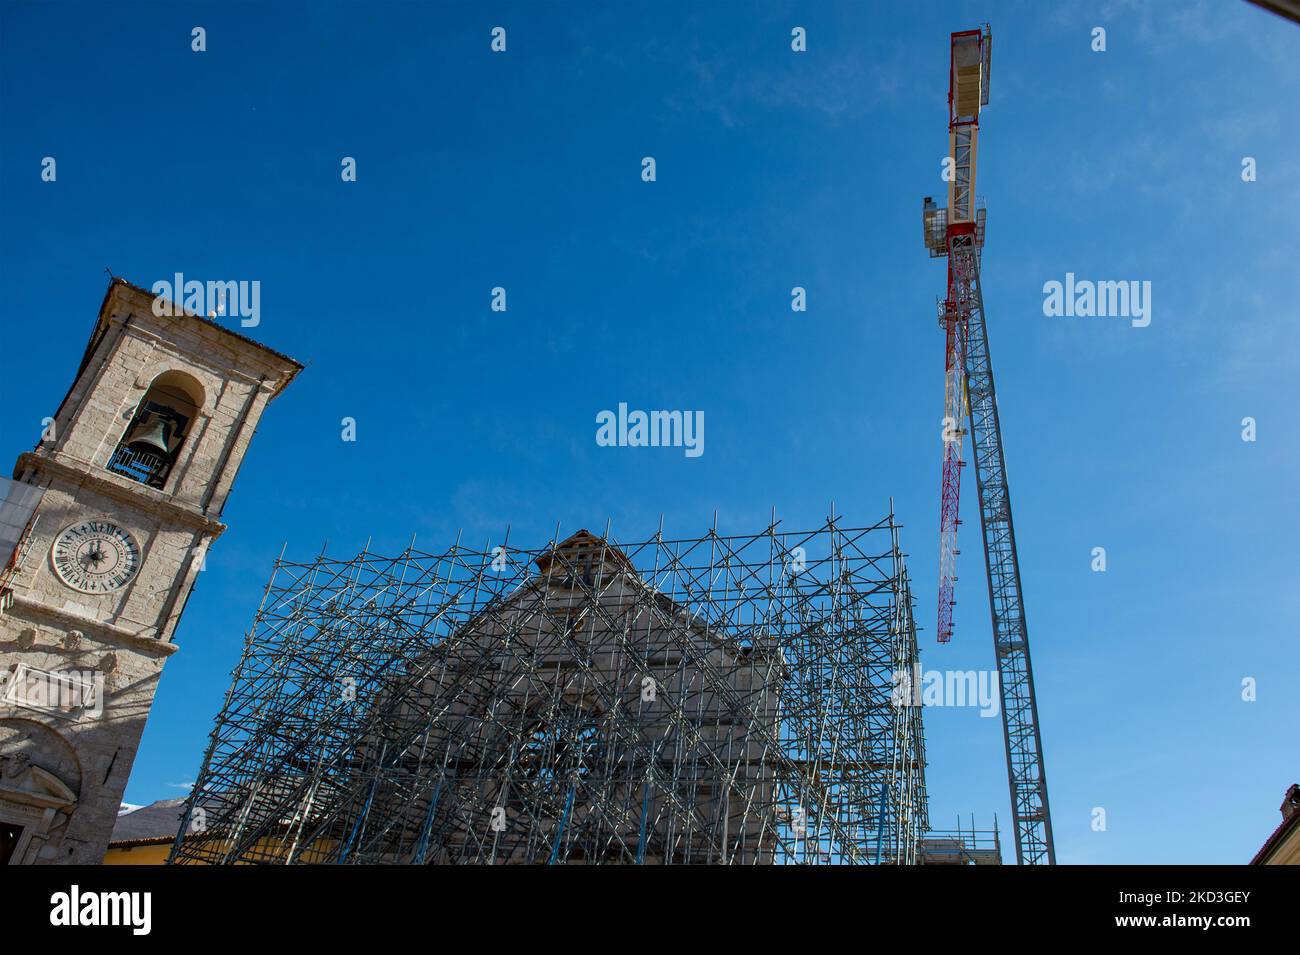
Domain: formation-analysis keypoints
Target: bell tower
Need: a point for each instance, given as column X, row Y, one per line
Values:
column 103, row 531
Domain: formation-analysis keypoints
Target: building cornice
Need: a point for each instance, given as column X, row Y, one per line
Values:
column 121, row 489
column 1289, row 826
column 109, row 631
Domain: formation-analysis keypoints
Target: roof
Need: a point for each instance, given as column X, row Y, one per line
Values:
column 156, row 822
column 1290, row 824
column 1283, row 8
column 297, row 365
column 583, row 544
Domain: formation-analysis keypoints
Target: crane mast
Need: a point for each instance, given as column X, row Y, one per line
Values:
column 957, row 233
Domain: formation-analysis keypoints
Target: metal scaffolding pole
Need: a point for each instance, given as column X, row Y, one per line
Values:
column 713, row 700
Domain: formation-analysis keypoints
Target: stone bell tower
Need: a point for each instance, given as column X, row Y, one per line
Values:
column 103, row 530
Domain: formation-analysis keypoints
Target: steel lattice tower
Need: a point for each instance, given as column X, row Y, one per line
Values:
column 1025, row 771
column 957, row 232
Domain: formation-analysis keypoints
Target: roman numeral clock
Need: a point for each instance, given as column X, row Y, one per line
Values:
column 95, row 556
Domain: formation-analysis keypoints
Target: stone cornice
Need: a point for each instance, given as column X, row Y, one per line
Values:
column 122, row 489
column 110, row 632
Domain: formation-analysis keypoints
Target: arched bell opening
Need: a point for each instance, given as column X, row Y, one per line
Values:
column 151, row 443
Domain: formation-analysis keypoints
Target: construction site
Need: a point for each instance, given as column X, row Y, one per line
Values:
column 708, row 700
column 454, row 290
column 712, row 700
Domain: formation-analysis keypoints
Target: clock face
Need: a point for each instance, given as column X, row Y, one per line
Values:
column 95, row 557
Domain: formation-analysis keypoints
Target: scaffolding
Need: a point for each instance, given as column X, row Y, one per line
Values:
column 961, row 846
column 18, row 506
column 714, row 700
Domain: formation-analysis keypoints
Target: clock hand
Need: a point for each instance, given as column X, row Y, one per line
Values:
column 94, row 556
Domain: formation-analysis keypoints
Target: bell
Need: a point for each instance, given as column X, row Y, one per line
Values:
column 149, row 437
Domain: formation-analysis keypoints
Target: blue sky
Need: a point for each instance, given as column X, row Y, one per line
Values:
column 775, row 169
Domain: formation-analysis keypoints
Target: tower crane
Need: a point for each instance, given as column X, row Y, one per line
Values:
column 957, row 233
